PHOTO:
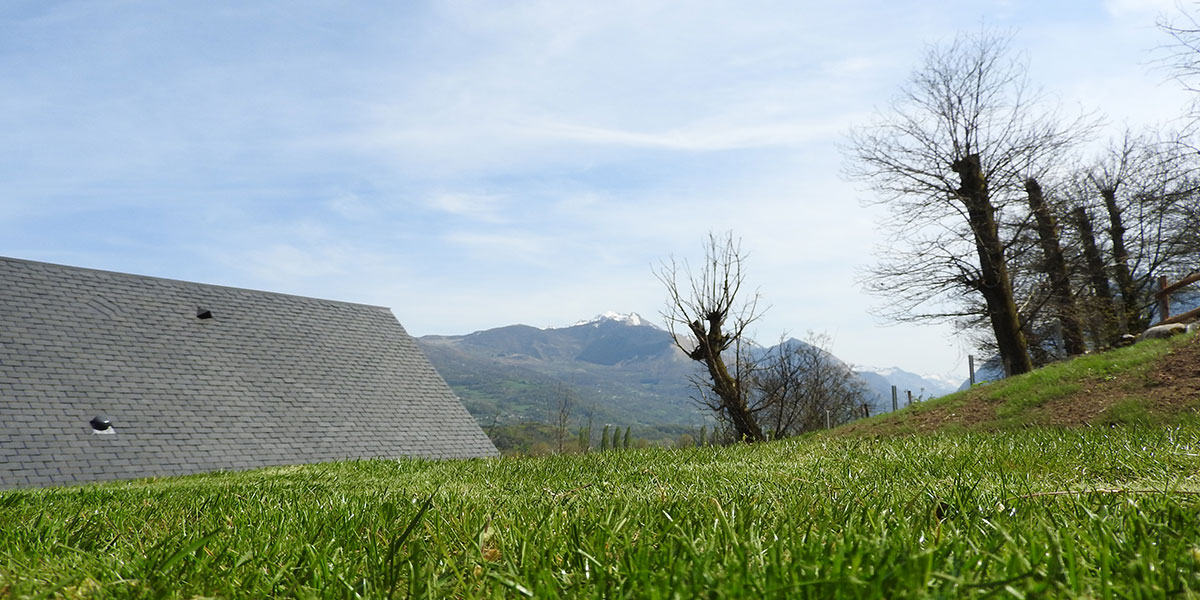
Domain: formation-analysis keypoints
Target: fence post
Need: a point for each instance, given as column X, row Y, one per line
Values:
column 827, row 423
column 895, row 404
column 971, row 362
column 909, row 392
column 1164, row 301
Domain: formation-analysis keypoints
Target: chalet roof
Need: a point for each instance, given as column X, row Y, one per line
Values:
column 196, row 377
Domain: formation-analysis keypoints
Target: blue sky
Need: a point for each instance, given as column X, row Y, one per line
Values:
column 478, row 164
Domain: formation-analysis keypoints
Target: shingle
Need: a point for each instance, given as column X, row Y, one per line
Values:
column 270, row 379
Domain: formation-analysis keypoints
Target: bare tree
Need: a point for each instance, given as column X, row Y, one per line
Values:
column 796, row 386
column 1054, row 264
column 1147, row 187
column 950, row 158
column 707, row 314
column 1098, row 308
column 1182, row 54
column 561, row 416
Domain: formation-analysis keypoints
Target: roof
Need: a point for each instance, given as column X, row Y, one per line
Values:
column 262, row 379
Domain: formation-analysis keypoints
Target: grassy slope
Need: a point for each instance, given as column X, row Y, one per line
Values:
column 1156, row 381
column 1082, row 512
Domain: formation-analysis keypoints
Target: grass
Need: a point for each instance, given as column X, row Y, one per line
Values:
column 1034, row 389
column 1013, row 403
column 986, row 509
column 1130, row 410
column 1093, row 513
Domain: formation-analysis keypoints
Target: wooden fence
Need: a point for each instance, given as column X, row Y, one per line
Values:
column 1164, row 300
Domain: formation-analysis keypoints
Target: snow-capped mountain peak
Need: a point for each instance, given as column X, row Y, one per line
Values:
column 885, row 372
column 632, row 319
column 923, row 384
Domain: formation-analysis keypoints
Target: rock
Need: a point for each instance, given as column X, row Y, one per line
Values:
column 1159, row 332
column 1194, row 327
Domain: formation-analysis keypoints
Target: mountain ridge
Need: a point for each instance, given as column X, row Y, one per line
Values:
column 619, row 368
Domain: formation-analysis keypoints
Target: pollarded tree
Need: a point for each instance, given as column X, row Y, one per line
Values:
column 707, row 314
column 755, row 394
column 1053, row 264
column 950, row 159
column 1098, row 306
column 1146, row 188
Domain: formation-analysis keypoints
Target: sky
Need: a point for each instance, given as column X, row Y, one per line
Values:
column 475, row 164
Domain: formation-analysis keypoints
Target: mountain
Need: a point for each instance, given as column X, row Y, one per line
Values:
column 880, row 382
column 633, row 319
column 619, row 368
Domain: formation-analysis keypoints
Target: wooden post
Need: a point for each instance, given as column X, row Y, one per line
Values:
column 971, row 362
column 827, row 423
column 909, row 392
column 1164, row 299
column 895, row 404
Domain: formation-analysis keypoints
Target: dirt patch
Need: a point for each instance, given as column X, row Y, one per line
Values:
column 1085, row 407
column 1177, row 379
column 1171, row 387
column 969, row 412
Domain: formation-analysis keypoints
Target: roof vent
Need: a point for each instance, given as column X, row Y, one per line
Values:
column 203, row 313
column 101, row 424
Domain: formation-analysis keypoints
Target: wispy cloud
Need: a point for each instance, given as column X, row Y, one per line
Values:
column 700, row 138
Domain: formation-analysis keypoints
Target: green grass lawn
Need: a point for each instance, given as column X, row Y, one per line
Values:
column 1097, row 513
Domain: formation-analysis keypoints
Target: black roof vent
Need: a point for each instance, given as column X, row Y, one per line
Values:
column 203, row 314
column 101, row 423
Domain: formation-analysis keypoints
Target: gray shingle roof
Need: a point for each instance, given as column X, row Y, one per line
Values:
column 269, row 379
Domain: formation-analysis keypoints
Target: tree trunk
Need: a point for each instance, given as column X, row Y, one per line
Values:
column 1094, row 263
column 994, row 283
column 1055, row 267
column 1129, row 316
column 724, row 385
